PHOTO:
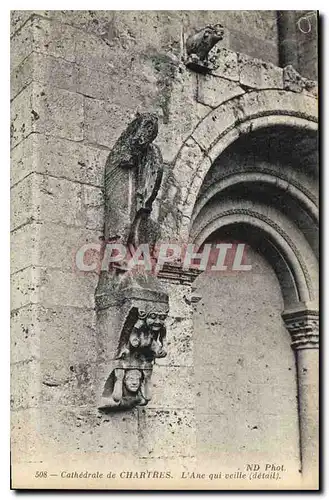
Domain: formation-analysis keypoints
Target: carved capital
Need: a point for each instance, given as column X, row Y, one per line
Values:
column 303, row 326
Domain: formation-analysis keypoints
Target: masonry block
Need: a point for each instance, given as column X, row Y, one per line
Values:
column 24, row 337
column 21, row 44
column 166, row 433
column 180, row 343
column 60, row 288
column 225, row 63
column 213, row 91
column 258, row 74
column 25, row 285
column 57, row 112
column 172, row 387
column 25, row 384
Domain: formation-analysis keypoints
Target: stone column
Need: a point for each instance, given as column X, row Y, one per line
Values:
column 288, row 53
column 303, row 326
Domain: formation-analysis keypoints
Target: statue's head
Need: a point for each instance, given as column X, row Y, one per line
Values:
column 214, row 33
column 154, row 316
column 132, row 380
column 146, row 128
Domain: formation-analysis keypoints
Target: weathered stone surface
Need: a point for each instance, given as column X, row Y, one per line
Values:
column 208, row 130
column 172, row 387
column 18, row 18
column 213, row 91
column 179, row 300
column 21, row 161
column 44, row 69
column 166, row 433
column 53, row 334
column 85, row 429
column 24, row 247
column 60, row 158
column 181, row 109
column 50, row 245
column 189, row 157
column 24, row 436
column 250, row 438
column 60, row 288
column 25, row 286
column 24, row 338
column 294, row 81
column 55, row 39
column 66, row 382
column 259, row 74
column 180, row 343
column 53, row 287
column 21, row 76
column 47, row 110
column 225, row 64
column 57, row 112
column 26, row 393
column 21, row 44
column 21, row 116
column 101, row 122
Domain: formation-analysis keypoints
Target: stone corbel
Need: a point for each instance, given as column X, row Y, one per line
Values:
column 142, row 340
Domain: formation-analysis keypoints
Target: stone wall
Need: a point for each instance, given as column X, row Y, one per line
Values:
column 78, row 78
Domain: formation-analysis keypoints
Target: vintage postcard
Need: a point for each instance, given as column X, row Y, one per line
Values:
column 164, row 195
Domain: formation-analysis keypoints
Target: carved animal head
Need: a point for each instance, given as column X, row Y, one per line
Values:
column 202, row 42
column 213, row 34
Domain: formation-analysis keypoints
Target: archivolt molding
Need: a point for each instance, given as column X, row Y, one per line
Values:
column 294, row 188
column 221, row 127
column 283, row 242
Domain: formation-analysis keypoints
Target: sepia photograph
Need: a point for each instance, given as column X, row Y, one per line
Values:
column 164, row 250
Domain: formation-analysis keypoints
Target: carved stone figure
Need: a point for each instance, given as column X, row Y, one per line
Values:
column 142, row 341
column 123, row 390
column 201, row 42
column 147, row 337
column 133, row 174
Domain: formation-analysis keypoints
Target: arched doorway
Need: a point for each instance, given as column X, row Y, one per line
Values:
column 263, row 192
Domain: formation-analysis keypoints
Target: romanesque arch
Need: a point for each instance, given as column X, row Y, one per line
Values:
column 232, row 178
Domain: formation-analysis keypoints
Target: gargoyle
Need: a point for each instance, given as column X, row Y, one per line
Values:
column 201, row 42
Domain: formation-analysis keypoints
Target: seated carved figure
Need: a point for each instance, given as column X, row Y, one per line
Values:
column 200, row 43
column 147, row 337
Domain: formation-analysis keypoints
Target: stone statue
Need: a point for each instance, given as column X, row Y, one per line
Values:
column 200, row 43
column 133, row 174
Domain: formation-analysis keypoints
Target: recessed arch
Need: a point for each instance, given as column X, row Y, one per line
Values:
column 296, row 269
column 222, row 127
column 250, row 177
